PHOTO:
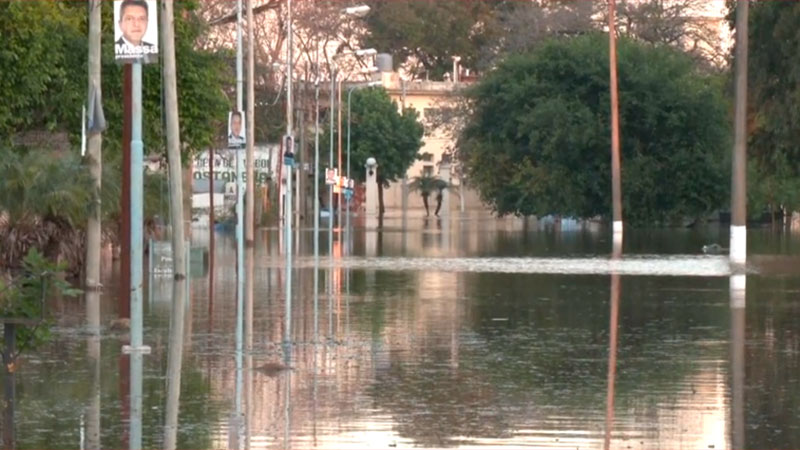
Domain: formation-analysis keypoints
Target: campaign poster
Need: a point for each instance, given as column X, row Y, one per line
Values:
column 236, row 129
column 135, row 31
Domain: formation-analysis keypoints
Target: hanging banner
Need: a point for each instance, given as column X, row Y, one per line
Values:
column 331, row 175
column 135, row 31
column 236, row 129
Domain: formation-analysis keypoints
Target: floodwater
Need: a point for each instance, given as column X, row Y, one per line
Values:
column 472, row 333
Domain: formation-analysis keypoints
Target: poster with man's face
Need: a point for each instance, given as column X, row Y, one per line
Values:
column 135, row 30
column 236, row 129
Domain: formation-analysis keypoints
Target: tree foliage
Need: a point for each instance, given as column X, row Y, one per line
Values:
column 41, row 85
column 24, row 298
column 379, row 130
column 45, row 199
column 43, row 81
column 538, row 139
column 774, row 105
column 427, row 33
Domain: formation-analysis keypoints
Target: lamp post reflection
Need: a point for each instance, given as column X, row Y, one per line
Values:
column 287, row 410
column 248, row 345
column 737, row 307
column 135, row 418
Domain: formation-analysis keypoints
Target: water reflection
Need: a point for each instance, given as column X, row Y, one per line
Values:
column 174, row 363
column 434, row 356
column 612, row 358
column 737, row 306
column 92, row 437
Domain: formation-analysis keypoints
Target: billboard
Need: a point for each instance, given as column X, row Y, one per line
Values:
column 135, row 31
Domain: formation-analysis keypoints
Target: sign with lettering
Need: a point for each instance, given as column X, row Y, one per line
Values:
column 135, row 31
column 225, row 165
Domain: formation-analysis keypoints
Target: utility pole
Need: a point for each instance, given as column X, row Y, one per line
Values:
column 289, row 175
column 124, row 303
column 250, row 224
column 616, row 181
column 237, row 419
column 738, row 242
column 250, row 190
column 178, row 240
column 137, row 241
column 332, row 109
column 94, row 149
column 173, row 142
column 339, row 138
column 316, row 197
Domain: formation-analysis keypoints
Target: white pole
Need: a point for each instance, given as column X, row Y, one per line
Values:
column 289, row 175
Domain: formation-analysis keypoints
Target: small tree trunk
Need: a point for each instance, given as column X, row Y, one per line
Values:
column 381, row 208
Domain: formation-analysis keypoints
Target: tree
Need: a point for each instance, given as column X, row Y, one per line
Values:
column 45, row 203
column 522, row 25
column 378, row 130
column 774, row 112
column 426, row 34
column 687, row 25
column 537, row 140
column 40, row 85
column 24, row 298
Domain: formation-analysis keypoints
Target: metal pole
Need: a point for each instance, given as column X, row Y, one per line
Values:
column 616, row 182
column 250, row 132
column 339, row 138
column 738, row 241
column 330, row 201
column 347, row 224
column 211, row 239
column 239, row 230
column 316, row 172
column 239, row 63
column 124, row 303
column 289, row 176
column 316, row 213
column 137, row 223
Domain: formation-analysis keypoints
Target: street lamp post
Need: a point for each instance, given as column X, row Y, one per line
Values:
column 349, row 94
column 359, row 52
column 288, row 207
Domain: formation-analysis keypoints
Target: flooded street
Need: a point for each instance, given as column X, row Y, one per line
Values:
column 474, row 333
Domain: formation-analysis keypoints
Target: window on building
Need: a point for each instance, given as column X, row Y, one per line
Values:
column 427, row 170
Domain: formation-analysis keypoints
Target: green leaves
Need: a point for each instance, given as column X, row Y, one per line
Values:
column 774, row 101
column 378, row 130
column 36, row 57
column 25, row 296
column 431, row 32
column 538, row 139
